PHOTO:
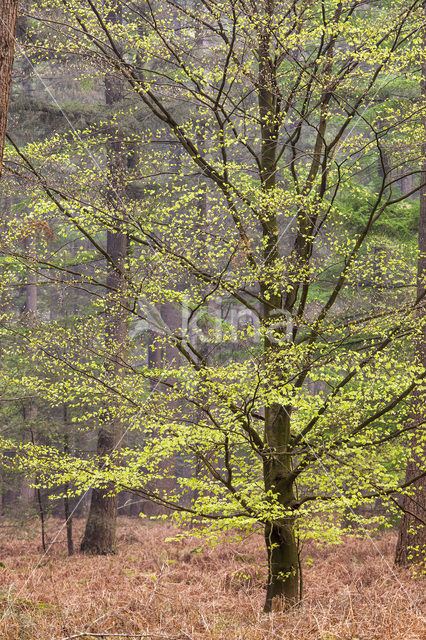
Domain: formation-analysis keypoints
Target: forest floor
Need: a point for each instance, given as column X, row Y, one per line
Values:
column 186, row 591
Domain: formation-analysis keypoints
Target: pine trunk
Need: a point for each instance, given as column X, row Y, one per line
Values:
column 411, row 544
column 8, row 15
column 100, row 533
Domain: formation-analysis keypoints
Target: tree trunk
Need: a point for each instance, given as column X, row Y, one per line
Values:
column 42, row 516
column 282, row 590
column 100, row 533
column 411, row 544
column 30, row 410
column 8, row 16
column 68, row 522
column 68, row 514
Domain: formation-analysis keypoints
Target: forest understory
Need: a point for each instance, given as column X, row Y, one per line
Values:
column 189, row 591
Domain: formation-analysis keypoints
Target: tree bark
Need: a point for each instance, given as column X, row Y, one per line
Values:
column 411, row 544
column 8, row 17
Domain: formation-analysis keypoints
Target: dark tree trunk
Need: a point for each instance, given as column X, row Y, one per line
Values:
column 100, row 534
column 282, row 589
column 68, row 522
column 30, row 414
column 411, row 544
column 42, row 515
column 8, row 15
column 68, row 514
column 30, row 410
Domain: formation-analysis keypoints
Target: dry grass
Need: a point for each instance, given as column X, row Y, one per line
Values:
column 181, row 591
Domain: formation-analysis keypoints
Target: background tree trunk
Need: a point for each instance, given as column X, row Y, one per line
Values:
column 100, row 533
column 8, row 15
column 100, row 536
column 30, row 410
column 68, row 514
column 411, row 544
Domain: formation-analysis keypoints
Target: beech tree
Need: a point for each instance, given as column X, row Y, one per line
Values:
column 287, row 111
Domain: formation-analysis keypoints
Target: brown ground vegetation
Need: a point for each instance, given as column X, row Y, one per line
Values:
column 185, row 591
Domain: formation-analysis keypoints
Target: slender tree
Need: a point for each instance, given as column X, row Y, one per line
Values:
column 68, row 514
